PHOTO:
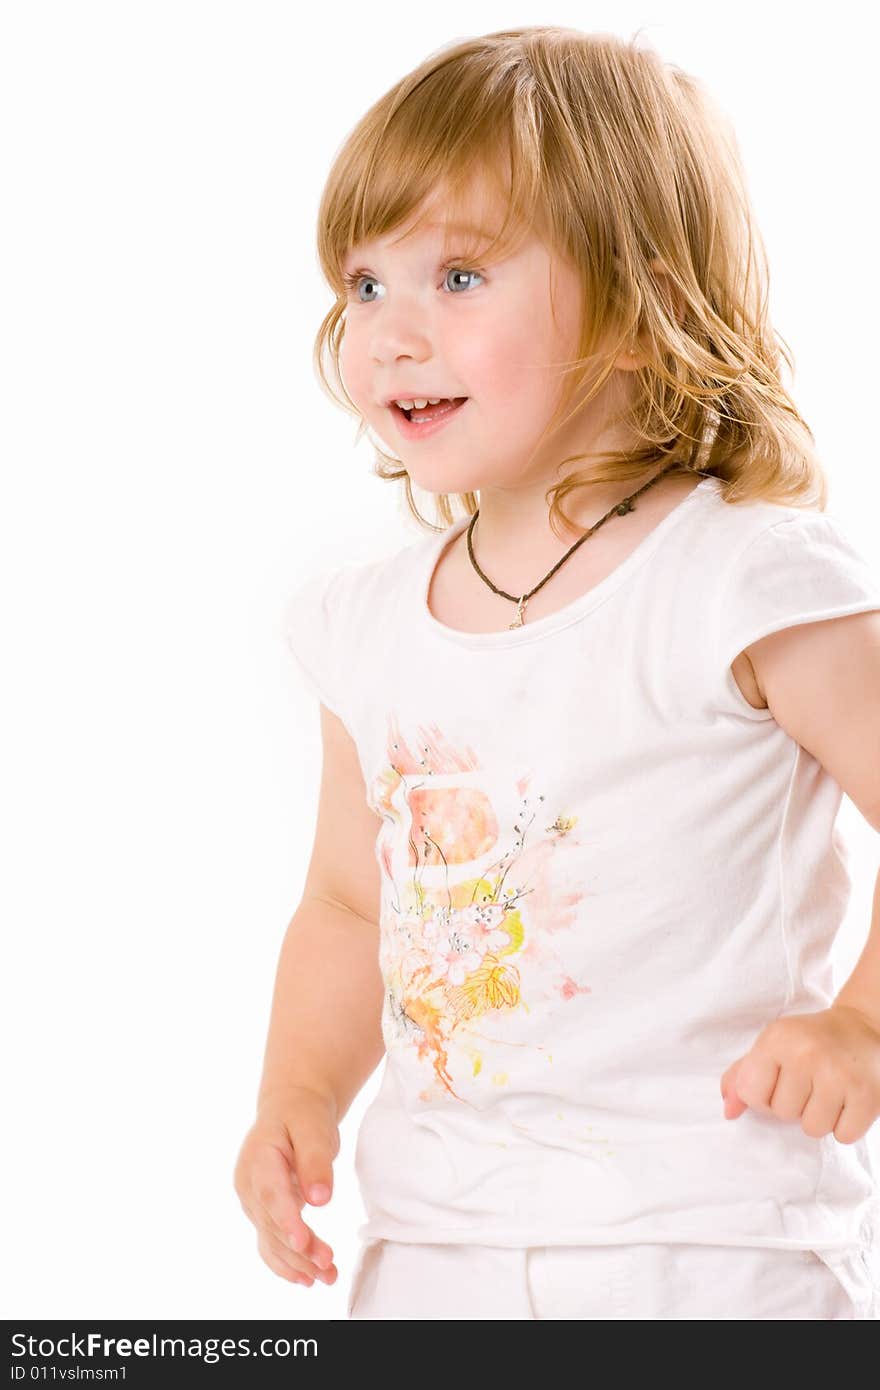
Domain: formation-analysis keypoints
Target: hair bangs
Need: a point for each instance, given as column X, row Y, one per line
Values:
column 468, row 178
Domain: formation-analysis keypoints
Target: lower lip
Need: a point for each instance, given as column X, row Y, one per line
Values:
column 411, row 430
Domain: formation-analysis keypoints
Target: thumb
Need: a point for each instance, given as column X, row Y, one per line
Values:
column 315, row 1140
column 733, row 1106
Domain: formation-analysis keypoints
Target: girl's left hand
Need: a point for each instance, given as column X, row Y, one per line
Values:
column 821, row 1068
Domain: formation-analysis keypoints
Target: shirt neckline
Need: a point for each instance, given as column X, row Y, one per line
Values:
column 571, row 612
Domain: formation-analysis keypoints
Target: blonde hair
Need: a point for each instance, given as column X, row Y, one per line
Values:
column 619, row 161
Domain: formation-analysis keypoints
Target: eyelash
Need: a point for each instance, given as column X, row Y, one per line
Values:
column 353, row 280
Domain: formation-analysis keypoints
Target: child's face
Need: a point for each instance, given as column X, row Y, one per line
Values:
column 413, row 327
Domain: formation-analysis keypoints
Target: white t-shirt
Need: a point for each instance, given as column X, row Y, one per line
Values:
column 603, row 873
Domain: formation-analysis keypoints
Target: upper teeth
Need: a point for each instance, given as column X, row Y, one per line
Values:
column 419, row 403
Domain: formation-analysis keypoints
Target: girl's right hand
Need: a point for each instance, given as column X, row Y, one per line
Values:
column 287, row 1152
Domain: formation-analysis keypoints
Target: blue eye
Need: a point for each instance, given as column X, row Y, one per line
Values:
column 455, row 271
column 353, row 281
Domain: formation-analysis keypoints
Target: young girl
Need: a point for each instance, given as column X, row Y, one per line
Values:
column 576, row 873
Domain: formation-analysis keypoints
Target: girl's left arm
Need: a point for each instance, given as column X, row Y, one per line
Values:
column 821, row 682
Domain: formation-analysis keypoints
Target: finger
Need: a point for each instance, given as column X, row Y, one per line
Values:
column 791, row 1092
column 300, row 1241
column 276, row 1191
column 279, row 1266
column 756, row 1079
column 312, row 1247
column 276, row 1194
column 820, row 1114
column 727, row 1078
column 280, row 1244
column 855, row 1119
column 315, row 1145
column 733, row 1106
column 300, row 1263
column 283, row 1250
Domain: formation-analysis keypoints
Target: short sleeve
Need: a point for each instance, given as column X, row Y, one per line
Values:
column 800, row 570
column 313, row 620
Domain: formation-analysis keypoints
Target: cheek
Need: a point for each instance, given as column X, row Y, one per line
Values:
column 354, row 366
column 514, row 362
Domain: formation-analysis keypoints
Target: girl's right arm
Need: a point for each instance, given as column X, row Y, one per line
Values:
column 325, row 1035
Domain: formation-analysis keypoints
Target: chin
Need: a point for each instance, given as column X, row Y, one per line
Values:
column 449, row 475
column 439, row 479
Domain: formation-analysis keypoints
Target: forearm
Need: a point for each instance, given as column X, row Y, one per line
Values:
column 862, row 989
column 325, row 1026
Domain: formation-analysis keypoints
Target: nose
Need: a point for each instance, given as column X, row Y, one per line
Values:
column 400, row 331
column 388, row 350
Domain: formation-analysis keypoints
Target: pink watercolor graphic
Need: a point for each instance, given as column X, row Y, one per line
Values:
column 470, row 905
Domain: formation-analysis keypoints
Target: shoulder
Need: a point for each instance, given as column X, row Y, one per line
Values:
column 776, row 566
column 356, row 594
column 740, row 523
column 748, row 539
column 336, row 623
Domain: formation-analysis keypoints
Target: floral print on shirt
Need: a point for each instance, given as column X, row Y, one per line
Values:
column 460, row 922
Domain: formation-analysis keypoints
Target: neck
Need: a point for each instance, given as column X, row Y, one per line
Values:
column 515, row 522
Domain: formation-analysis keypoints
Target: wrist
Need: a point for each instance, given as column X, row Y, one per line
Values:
column 869, row 1010
column 276, row 1100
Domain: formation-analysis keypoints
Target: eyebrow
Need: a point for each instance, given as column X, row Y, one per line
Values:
column 469, row 228
column 457, row 227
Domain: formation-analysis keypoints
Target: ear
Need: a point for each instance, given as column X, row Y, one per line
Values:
column 668, row 285
column 633, row 357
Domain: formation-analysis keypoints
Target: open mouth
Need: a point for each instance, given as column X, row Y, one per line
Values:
column 431, row 412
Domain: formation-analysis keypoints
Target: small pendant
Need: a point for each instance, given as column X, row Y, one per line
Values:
column 520, row 610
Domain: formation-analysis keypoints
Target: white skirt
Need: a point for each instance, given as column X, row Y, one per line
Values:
column 402, row 1280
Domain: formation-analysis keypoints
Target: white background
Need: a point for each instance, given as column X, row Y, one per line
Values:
column 171, row 472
